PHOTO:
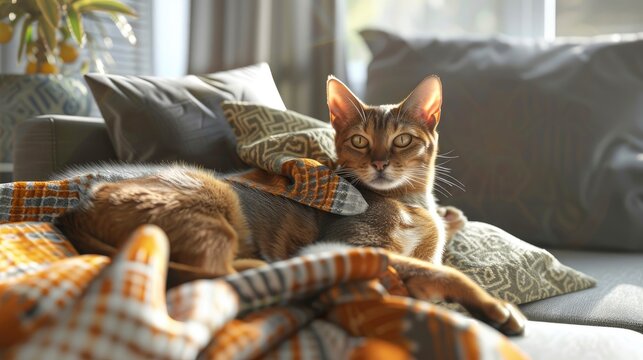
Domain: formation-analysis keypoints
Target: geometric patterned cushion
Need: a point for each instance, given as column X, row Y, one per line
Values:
column 510, row 268
column 297, row 154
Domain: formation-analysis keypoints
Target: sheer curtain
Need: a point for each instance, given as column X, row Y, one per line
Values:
column 300, row 39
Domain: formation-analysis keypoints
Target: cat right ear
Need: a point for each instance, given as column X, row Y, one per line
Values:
column 425, row 102
column 343, row 105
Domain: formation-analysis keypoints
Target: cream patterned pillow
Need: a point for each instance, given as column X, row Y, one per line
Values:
column 510, row 268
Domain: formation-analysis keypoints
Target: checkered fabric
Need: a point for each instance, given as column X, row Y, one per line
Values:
column 296, row 153
column 350, row 304
column 37, row 200
column 43, row 200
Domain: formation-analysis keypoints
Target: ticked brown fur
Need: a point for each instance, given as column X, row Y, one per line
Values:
column 388, row 152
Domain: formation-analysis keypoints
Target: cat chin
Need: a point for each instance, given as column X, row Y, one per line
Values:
column 384, row 185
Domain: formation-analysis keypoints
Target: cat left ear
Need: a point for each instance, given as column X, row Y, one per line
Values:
column 425, row 102
column 343, row 105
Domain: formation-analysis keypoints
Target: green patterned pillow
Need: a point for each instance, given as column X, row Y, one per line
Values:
column 297, row 152
column 510, row 268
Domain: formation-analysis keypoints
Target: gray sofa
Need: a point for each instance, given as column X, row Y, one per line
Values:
column 605, row 322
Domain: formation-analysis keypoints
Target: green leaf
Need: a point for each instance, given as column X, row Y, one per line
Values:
column 84, row 68
column 25, row 36
column 48, row 34
column 111, row 6
column 75, row 24
column 50, row 12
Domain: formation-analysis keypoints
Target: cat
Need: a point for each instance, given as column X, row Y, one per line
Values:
column 387, row 151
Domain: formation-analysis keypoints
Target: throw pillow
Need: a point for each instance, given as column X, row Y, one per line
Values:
column 297, row 153
column 152, row 119
column 547, row 134
column 510, row 268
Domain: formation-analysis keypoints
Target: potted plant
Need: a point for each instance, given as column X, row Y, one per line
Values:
column 50, row 35
column 51, row 31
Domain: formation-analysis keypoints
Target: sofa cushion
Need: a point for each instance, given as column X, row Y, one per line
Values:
column 617, row 299
column 510, row 268
column 547, row 134
column 152, row 119
column 48, row 144
column 551, row 341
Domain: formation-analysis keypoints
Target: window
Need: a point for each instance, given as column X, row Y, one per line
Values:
column 166, row 51
column 525, row 18
column 162, row 33
column 595, row 17
column 114, row 52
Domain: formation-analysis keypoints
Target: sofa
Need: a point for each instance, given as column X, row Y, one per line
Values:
column 603, row 322
column 536, row 154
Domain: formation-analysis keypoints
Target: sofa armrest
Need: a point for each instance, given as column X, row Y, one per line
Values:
column 47, row 144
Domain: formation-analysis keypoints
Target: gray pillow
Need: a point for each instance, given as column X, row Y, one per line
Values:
column 153, row 119
column 548, row 135
column 509, row 268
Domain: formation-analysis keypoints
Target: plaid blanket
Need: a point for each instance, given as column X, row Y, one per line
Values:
column 335, row 305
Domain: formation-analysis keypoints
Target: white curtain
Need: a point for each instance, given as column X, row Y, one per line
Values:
column 8, row 56
column 300, row 39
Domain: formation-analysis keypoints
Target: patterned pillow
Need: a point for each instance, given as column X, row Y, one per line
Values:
column 296, row 151
column 510, row 268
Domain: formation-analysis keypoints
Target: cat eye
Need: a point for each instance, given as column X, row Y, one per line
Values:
column 402, row 140
column 359, row 141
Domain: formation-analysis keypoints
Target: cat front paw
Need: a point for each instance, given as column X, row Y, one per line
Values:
column 504, row 316
column 453, row 218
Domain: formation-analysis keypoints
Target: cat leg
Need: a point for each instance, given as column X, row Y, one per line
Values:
column 201, row 217
column 436, row 282
column 453, row 219
column 205, row 241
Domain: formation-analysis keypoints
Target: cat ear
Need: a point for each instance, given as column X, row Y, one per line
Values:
column 425, row 102
column 343, row 105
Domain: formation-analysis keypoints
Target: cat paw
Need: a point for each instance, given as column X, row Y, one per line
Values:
column 504, row 316
column 453, row 218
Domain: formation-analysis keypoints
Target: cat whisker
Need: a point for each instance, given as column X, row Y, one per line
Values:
column 440, row 192
column 444, row 162
column 447, row 182
column 452, row 178
column 403, row 113
column 440, row 188
column 446, row 155
column 347, row 175
column 407, row 181
column 359, row 109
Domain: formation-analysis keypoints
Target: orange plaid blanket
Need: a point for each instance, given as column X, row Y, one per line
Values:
column 55, row 303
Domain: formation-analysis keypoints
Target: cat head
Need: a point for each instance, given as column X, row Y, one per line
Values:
column 387, row 148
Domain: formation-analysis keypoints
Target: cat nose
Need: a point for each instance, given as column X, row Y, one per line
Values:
column 379, row 165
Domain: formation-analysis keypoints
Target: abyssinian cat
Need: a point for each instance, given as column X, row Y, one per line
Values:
column 388, row 152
